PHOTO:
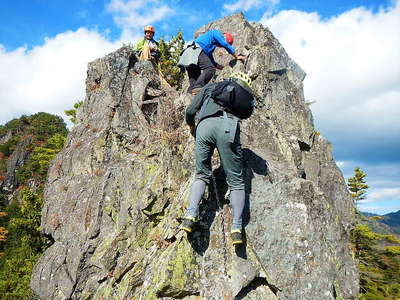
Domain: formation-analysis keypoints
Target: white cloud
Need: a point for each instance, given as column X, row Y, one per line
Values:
column 340, row 164
column 352, row 63
column 381, row 200
column 380, row 210
column 245, row 5
column 132, row 15
column 389, row 194
column 353, row 72
column 50, row 77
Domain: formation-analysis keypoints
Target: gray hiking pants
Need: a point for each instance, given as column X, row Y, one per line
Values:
column 211, row 134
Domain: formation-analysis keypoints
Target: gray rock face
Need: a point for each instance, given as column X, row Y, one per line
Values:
column 16, row 160
column 6, row 137
column 116, row 192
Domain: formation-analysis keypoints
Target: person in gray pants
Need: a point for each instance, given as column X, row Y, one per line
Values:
column 216, row 129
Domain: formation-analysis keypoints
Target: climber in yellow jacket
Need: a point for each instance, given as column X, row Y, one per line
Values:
column 147, row 48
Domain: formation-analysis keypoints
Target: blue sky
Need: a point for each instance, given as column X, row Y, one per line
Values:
column 350, row 51
column 28, row 23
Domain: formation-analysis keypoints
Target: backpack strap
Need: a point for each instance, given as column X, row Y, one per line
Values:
column 219, row 89
column 203, row 107
column 193, row 45
column 227, row 127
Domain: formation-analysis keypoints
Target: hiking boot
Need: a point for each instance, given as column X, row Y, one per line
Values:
column 236, row 236
column 187, row 224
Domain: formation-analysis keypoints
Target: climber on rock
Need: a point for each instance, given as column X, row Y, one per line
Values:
column 198, row 58
column 147, row 48
column 218, row 107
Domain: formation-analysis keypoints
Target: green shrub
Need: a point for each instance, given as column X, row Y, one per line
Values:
column 71, row 113
column 379, row 268
column 169, row 57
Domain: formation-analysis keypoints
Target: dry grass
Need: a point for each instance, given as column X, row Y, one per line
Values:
column 58, row 165
column 78, row 144
column 3, row 234
column 55, row 221
column 94, row 86
column 99, row 172
column 168, row 128
column 160, row 242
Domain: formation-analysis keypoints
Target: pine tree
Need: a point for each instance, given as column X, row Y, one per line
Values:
column 169, row 57
column 378, row 255
column 71, row 113
column 357, row 185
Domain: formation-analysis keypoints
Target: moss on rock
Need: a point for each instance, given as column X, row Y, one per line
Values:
column 180, row 274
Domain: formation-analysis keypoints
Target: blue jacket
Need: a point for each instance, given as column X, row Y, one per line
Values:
column 211, row 39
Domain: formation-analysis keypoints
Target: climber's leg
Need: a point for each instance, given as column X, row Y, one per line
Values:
column 196, row 193
column 208, row 70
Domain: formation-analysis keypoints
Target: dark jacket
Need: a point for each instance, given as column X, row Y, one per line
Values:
column 196, row 110
column 203, row 107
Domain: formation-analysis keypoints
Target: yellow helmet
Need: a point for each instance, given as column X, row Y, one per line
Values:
column 243, row 77
column 149, row 28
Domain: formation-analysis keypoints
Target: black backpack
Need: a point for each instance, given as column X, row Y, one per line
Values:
column 234, row 98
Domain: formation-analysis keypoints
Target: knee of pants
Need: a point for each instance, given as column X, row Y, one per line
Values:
column 235, row 183
column 204, row 177
column 210, row 71
column 234, row 173
column 208, row 75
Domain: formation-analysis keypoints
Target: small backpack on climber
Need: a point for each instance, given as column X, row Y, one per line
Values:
column 235, row 96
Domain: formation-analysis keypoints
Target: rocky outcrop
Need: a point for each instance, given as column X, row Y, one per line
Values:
column 6, row 137
column 20, row 138
column 116, row 192
column 15, row 161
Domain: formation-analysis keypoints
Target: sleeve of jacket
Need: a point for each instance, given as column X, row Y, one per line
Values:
column 220, row 39
column 195, row 106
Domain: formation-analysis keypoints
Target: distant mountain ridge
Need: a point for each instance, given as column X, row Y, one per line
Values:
column 368, row 214
column 392, row 220
column 18, row 140
column 386, row 224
